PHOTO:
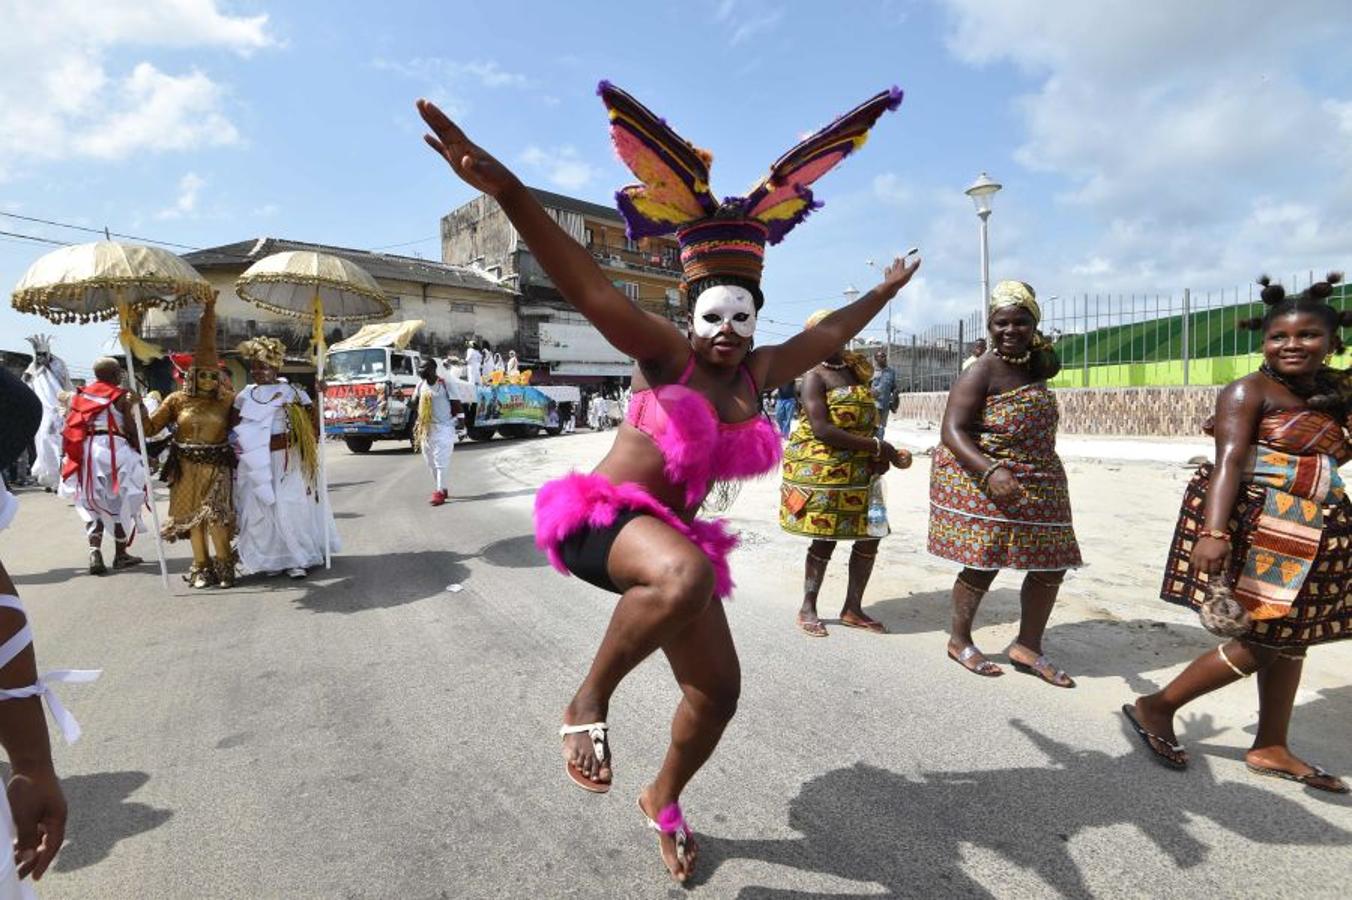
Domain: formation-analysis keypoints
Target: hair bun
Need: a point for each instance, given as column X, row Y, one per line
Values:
column 1320, row 290
column 1254, row 324
column 1272, row 293
column 1333, row 277
column 1345, row 319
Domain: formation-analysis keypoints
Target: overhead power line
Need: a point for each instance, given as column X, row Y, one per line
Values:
column 35, row 238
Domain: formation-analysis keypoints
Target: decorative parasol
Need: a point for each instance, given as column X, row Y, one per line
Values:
column 106, row 280
column 304, row 284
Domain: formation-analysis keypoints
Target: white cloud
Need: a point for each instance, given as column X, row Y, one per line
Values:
column 756, row 25
column 1095, row 266
column 450, row 83
column 1192, row 144
column 150, row 110
column 561, row 166
column 889, row 187
column 743, row 20
column 189, row 186
column 60, row 98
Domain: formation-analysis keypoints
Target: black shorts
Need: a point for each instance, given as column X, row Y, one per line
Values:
column 586, row 553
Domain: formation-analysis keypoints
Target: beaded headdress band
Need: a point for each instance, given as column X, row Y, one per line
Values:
column 673, row 195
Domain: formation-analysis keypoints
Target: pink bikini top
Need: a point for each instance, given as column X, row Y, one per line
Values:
column 699, row 447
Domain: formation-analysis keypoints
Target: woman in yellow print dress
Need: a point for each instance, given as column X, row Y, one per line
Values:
column 830, row 463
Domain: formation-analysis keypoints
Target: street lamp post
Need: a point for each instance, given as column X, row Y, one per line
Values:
column 851, row 294
column 981, row 192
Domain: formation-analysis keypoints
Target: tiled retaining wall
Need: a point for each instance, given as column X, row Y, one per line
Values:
column 1165, row 411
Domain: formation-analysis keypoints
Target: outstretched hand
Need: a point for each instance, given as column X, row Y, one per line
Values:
column 898, row 273
column 472, row 163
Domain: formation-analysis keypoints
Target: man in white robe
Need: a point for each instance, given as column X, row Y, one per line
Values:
column 47, row 377
column 280, row 513
column 434, row 431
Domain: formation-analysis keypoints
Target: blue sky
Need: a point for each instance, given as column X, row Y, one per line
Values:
column 1144, row 146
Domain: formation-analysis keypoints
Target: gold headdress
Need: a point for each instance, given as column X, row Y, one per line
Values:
column 268, row 349
column 1015, row 293
column 204, row 358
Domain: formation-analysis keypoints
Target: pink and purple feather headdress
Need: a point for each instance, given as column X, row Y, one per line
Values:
column 673, row 195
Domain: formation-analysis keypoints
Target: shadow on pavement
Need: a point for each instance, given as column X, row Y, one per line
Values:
column 932, row 611
column 101, row 815
column 515, row 553
column 1106, row 648
column 339, row 485
column 494, row 495
column 908, row 834
column 51, row 576
column 359, row 583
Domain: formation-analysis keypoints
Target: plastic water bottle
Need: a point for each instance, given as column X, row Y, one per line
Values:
column 877, row 510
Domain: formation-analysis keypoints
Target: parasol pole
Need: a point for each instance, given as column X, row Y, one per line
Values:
column 321, row 357
column 124, row 333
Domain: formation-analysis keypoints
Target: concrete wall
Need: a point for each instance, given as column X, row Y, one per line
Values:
column 1168, row 412
column 479, row 233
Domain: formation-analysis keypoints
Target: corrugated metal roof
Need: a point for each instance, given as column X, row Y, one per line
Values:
column 381, row 265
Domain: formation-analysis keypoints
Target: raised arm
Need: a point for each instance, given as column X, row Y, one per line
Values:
column 645, row 337
column 786, row 361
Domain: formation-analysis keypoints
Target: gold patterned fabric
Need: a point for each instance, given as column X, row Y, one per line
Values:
column 199, row 473
column 825, row 490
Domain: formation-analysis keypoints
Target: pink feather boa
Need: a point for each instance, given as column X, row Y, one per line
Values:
column 577, row 501
column 698, row 449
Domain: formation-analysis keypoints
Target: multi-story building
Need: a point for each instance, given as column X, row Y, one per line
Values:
column 478, row 235
column 454, row 302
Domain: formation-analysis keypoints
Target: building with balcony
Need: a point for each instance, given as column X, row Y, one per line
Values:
column 478, row 235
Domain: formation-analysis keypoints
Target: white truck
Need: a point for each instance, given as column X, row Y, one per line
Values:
column 368, row 397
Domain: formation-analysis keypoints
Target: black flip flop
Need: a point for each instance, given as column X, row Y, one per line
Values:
column 1306, row 780
column 1146, row 737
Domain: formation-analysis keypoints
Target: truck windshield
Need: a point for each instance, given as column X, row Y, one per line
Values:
column 350, row 365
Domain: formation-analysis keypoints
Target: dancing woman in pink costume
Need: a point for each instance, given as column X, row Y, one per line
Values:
column 630, row 526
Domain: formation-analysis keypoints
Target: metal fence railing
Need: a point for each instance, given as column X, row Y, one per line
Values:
column 1114, row 340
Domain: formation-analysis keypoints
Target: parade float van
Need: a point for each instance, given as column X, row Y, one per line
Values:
column 368, row 397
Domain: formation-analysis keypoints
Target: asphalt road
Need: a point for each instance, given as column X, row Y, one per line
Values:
column 367, row 733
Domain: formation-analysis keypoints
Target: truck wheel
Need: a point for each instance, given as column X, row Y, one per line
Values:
column 359, row 444
column 481, row 434
column 555, row 431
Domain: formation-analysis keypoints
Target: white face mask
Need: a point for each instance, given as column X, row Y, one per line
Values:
column 722, row 305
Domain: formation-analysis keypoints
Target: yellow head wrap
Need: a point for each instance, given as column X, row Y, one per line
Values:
column 862, row 368
column 1015, row 293
column 270, row 350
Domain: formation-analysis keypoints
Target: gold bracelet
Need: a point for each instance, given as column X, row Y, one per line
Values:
column 1216, row 534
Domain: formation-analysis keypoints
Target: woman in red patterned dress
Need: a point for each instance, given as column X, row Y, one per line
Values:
column 1273, row 520
column 998, row 494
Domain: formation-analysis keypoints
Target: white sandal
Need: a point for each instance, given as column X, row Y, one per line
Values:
column 672, row 822
column 597, row 731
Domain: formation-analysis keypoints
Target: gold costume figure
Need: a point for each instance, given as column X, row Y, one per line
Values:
column 200, row 466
